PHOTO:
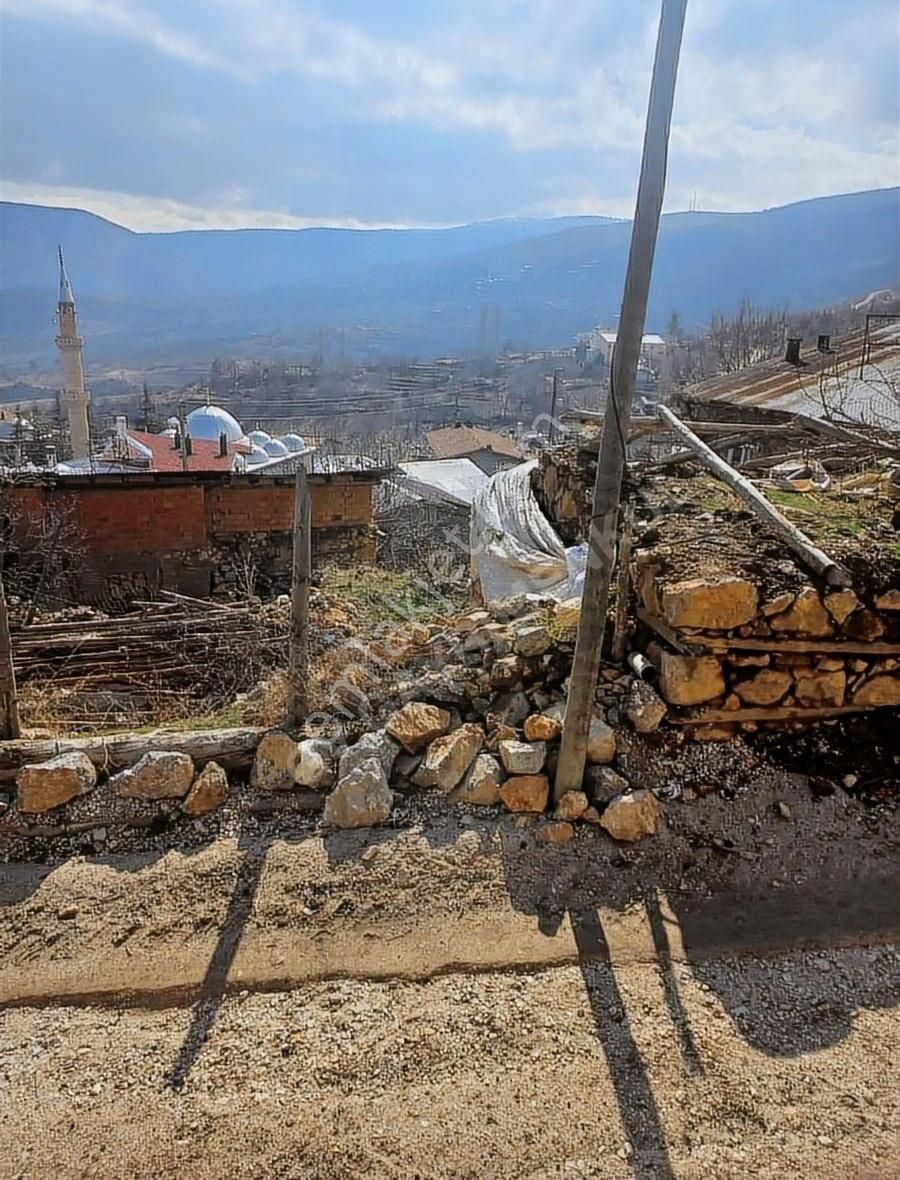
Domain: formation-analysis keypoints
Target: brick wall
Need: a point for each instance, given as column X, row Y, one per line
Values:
column 175, row 534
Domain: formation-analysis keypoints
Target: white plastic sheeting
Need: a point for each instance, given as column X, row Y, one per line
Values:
column 514, row 548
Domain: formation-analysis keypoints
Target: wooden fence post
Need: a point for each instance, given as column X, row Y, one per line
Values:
column 9, row 700
column 298, row 660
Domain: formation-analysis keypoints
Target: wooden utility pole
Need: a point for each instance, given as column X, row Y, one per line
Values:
column 553, row 398
column 611, row 463
column 9, row 700
column 298, row 659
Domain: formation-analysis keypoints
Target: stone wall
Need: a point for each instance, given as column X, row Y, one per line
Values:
column 723, row 650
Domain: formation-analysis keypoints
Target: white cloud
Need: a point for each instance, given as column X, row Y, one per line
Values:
column 158, row 215
column 756, row 122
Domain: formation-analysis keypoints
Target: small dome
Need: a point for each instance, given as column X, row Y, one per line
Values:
column 275, row 448
column 208, row 422
column 259, row 437
column 171, row 424
column 256, row 455
column 293, row 442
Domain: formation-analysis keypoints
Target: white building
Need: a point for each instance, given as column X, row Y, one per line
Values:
column 602, row 341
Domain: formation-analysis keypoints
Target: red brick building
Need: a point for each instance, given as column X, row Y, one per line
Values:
column 197, row 533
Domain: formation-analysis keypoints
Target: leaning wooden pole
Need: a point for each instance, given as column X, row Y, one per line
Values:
column 298, row 658
column 611, row 462
column 796, row 539
column 9, row 699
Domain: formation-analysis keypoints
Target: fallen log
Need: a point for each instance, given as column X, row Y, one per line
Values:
column 798, row 541
column 231, row 748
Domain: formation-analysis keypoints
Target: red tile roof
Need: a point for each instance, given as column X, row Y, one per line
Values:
column 451, row 442
column 204, row 454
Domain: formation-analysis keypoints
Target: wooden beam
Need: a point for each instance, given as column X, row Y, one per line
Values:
column 623, row 587
column 848, row 647
column 9, row 699
column 232, row 748
column 794, row 538
column 685, row 647
column 770, row 713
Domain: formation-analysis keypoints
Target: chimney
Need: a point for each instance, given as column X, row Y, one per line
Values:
column 188, row 445
column 176, row 440
column 223, row 445
column 824, row 344
column 792, row 354
column 121, row 427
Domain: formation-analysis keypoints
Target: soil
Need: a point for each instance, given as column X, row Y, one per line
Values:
column 446, row 997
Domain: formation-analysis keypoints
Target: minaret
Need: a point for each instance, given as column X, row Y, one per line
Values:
column 74, row 395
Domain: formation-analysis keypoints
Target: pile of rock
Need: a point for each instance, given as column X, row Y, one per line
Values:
column 158, row 775
column 481, row 726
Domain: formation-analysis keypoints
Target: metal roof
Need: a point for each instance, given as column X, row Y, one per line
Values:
column 456, row 481
column 843, row 384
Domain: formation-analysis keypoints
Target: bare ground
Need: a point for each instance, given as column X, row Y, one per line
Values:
column 451, row 1000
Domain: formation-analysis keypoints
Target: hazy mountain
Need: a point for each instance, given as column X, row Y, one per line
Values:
column 531, row 282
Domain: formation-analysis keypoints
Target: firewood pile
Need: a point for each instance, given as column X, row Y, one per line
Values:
column 162, row 658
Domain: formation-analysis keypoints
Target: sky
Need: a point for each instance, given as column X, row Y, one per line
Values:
column 174, row 114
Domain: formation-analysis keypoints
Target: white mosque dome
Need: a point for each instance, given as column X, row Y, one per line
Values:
column 293, row 442
column 208, row 422
column 257, row 455
column 275, row 449
column 259, row 437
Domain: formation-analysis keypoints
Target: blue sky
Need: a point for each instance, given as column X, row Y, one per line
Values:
column 169, row 114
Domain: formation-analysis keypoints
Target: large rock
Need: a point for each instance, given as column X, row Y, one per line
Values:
column 275, row 762
column 717, row 604
column 210, row 790
column 572, row 805
column 631, row 816
column 523, row 757
column 690, row 680
column 532, row 641
column 765, row 688
column 814, row 687
column 882, row 689
column 526, row 792
column 540, row 727
column 448, row 758
column 377, row 744
column 601, row 745
column 49, row 784
column 807, row 616
column 890, row 600
column 481, row 783
column 315, row 764
column 160, row 774
column 644, row 708
column 417, row 724
column 361, row 798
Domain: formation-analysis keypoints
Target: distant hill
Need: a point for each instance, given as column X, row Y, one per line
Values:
column 534, row 283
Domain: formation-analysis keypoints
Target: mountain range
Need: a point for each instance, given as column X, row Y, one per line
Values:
column 149, row 297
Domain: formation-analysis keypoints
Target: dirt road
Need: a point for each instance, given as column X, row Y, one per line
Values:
column 449, row 1000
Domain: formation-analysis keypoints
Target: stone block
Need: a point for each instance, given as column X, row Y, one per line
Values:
column 417, row 724
column 45, row 785
column 711, row 604
column 448, row 758
column 690, row 680
column 807, row 616
column 814, row 687
column 209, row 791
column 632, row 816
column 160, row 774
column 481, row 783
column 767, row 687
column 525, row 792
column 523, row 757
